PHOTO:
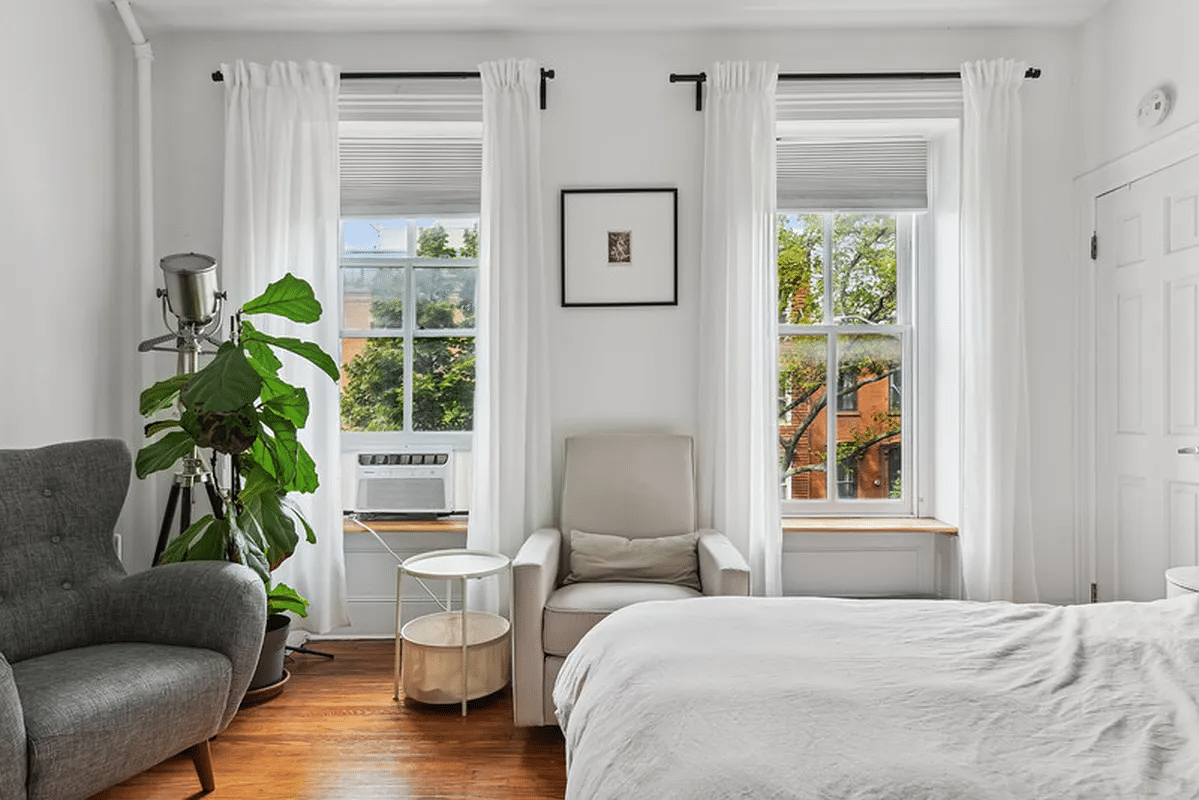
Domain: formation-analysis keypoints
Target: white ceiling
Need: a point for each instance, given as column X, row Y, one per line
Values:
column 399, row 15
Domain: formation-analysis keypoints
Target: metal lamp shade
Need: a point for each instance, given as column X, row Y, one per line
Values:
column 191, row 287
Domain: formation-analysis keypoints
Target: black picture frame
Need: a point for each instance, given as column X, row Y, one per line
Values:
column 620, row 247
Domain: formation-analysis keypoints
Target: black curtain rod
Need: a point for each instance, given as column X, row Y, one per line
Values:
column 698, row 78
column 546, row 75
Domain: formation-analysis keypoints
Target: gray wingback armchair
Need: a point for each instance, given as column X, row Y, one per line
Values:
column 637, row 486
column 104, row 675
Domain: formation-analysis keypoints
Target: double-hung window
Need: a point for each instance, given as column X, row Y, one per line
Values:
column 411, row 163
column 846, row 320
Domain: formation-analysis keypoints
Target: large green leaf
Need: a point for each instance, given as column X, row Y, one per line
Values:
column 226, row 384
column 256, row 481
column 289, row 297
column 282, row 597
column 176, row 551
column 163, row 453
column 262, row 358
column 248, row 551
column 162, row 425
column 212, row 544
column 292, row 406
column 273, row 387
column 309, row 534
column 277, row 529
column 161, row 395
column 306, row 479
column 282, row 447
column 262, row 458
column 306, row 350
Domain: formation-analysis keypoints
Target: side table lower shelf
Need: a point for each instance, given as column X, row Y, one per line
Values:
column 433, row 658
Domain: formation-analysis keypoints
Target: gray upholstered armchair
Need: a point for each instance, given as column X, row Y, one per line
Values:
column 104, row 675
column 637, row 486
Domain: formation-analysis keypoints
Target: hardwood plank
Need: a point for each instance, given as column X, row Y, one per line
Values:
column 336, row 734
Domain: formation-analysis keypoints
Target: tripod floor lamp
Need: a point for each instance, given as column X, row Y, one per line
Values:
column 191, row 296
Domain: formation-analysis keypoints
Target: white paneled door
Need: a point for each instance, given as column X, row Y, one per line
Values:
column 1147, row 324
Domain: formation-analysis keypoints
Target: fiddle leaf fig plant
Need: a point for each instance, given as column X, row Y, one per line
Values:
column 239, row 406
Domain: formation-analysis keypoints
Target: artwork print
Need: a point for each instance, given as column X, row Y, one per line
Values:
column 620, row 248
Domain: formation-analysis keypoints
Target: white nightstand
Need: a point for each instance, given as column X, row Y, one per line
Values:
column 1182, row 580
column 429, row 642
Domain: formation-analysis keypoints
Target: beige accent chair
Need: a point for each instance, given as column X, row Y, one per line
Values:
column 632, row 485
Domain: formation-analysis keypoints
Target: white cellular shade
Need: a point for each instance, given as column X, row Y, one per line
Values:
column 410, row 147
column 402, row 175
column 868, row 99
column 890, row 173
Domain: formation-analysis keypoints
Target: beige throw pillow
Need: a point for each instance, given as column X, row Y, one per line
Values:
column 605, row 557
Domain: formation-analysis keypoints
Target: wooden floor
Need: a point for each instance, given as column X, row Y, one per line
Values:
column 335, row 734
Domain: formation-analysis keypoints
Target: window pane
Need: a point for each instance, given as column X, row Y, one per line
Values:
column 803, row 426
column 372, row 384
column 864, row 287
column 801, row 268
column 445, row 298
column 448, row 238
column 375, row 237
column 372, row 298
column 864, row 438
column 443, row 384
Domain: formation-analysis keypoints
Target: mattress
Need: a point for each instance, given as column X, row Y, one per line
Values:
column 734, row 697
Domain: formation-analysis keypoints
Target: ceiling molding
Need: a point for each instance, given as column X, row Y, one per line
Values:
column 589, row 15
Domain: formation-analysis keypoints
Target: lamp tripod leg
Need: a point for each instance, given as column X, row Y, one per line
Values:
column 214, row 499
column 185, row 509
column 165, row 531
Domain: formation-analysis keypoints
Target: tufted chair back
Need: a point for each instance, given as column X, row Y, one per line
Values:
column 58, row 509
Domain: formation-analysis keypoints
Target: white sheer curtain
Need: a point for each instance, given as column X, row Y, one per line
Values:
column 737, row 452
column 511, row 451
column 996, row 526
column 281, row 215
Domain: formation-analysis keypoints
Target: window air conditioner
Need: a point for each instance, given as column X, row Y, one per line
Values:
column 417, row 481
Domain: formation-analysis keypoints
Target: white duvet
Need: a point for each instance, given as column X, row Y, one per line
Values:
column 727, row 697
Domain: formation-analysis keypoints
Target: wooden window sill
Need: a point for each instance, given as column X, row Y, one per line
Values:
column 454, row 524
column 868, row 525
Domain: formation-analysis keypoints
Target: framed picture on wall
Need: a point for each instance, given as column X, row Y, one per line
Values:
column 620, row 247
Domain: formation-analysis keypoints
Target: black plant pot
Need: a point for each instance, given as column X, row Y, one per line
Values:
column 270, row 661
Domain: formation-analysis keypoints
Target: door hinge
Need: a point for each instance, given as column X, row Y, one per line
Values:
column 1094, row 593
column 1094, row 246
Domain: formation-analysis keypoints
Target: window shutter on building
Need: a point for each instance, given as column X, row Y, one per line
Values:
column 410, row 147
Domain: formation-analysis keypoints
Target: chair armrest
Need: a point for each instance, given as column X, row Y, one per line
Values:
column 722, row 568
column 215, row 605
column 14, row 757
column 534, row 577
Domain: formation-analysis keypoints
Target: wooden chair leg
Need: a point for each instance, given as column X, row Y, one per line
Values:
column 202, row 758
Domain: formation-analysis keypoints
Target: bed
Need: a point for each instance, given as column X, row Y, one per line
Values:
column 733, row 697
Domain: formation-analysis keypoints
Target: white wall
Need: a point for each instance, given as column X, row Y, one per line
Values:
column 67, row 345
column 62, row 285
column 614, row 119
column 1130, row 47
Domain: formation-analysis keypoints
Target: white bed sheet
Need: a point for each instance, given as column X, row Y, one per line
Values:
column 762, row 698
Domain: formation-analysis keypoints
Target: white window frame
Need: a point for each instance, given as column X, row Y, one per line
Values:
column 908, row 243
column 409, row 332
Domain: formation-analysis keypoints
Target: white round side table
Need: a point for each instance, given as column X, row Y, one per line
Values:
column 1182, row 580
column 447, row 565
